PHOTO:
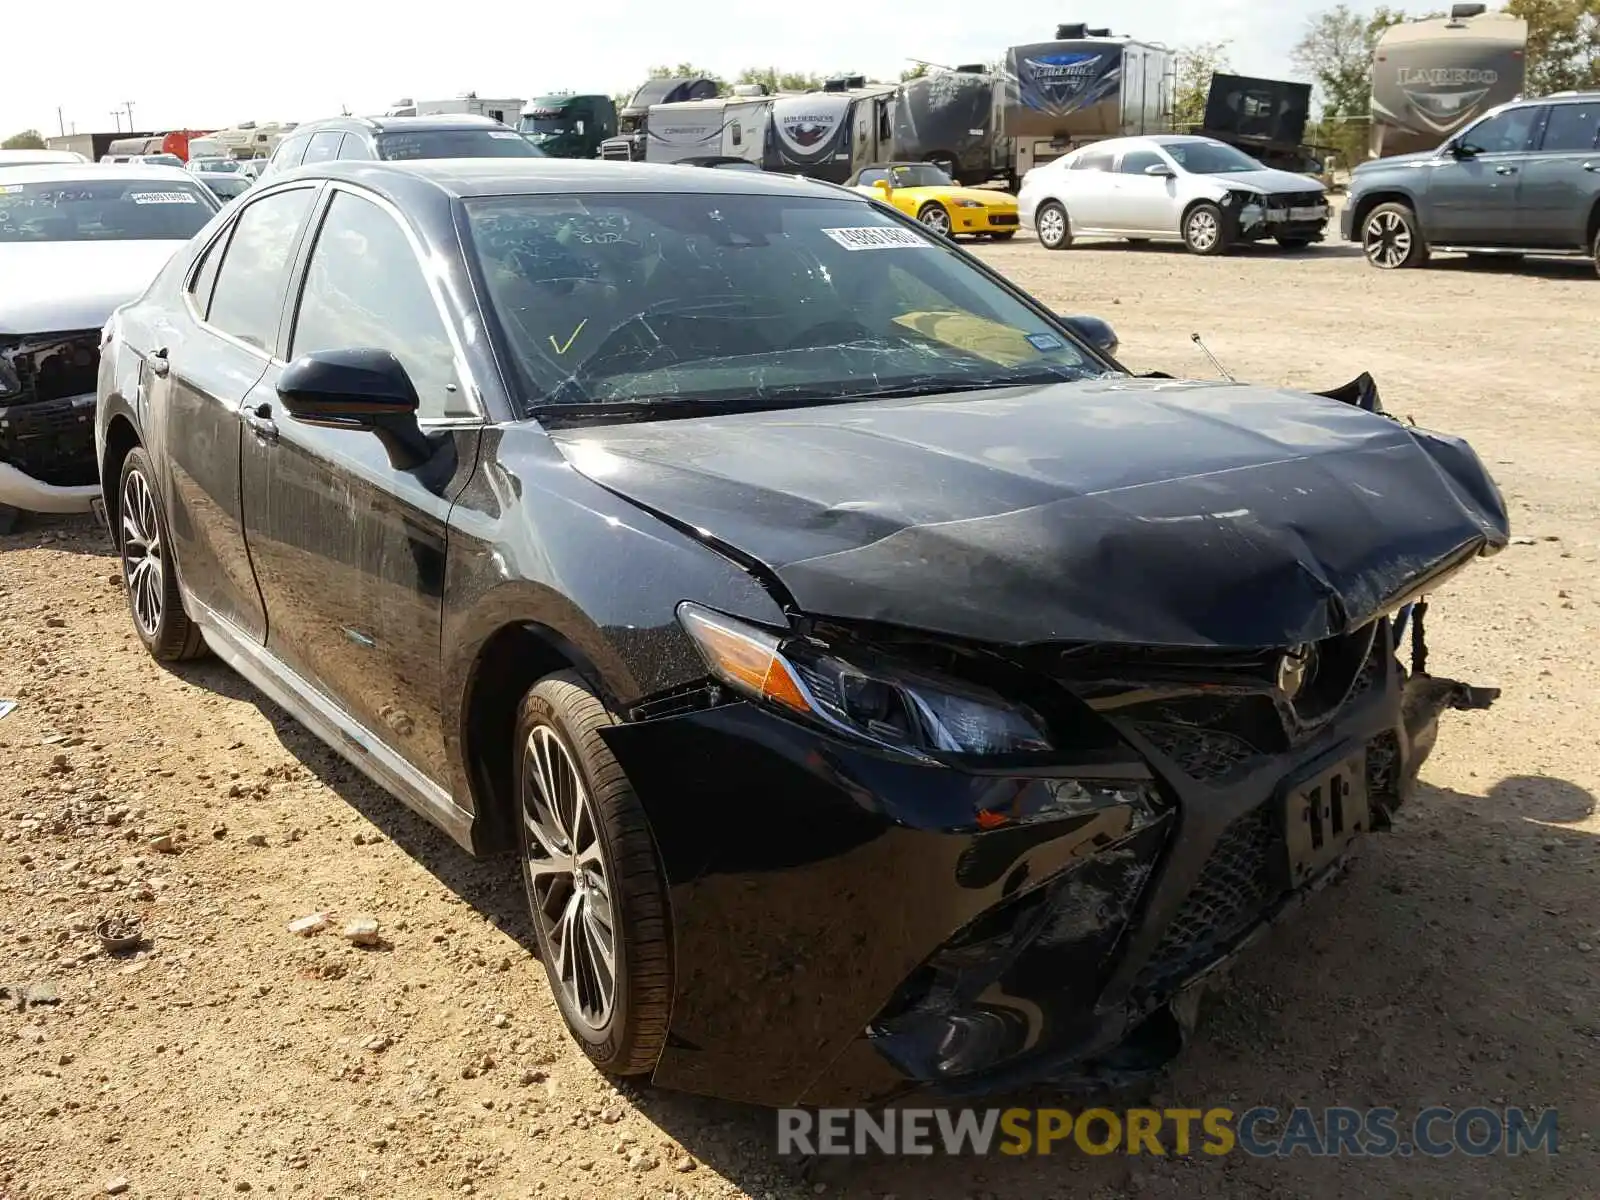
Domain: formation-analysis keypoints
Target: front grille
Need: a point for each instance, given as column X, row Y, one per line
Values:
column 1002, row 218
column 47, row 387
column 1204, row 754
column 1233, row 892
column 1296, row 200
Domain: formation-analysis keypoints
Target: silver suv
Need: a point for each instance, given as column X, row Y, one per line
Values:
column 1523, row 179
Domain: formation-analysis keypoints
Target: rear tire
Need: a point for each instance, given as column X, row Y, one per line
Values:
column 1051, row 224
column 595, row 830
column 1392, row 239
column 1595, row 253
column 149, row 575
column 1204, row 230
column 9, row 518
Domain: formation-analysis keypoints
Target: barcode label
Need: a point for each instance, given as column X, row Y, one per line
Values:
column 878, row 237
column 164, row 198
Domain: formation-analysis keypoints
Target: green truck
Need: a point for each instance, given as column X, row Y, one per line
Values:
column 568, row 126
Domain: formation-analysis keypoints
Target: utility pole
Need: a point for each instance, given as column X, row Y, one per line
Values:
column 129, row 104
column 116, row 116
column 61, row 121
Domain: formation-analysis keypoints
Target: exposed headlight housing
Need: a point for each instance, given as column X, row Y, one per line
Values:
column 889, row 706
column 967, row 203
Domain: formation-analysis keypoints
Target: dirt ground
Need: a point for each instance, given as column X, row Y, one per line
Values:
column 1455, row 966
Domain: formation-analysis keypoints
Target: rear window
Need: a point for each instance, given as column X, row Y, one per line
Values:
column 457, row 143
column 103, row 211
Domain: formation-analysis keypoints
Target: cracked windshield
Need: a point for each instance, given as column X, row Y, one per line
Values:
column 617, row 299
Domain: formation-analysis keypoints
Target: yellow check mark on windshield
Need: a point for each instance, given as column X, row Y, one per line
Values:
column 562, row 349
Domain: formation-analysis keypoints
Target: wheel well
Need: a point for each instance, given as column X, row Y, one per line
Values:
column 1358, row 217
column 508, row 664
column 1594, row 227
column 121, row 438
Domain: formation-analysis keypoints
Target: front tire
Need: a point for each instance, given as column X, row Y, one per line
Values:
column 1003, row 237
column 1051, row 224
column 149, row 576
column 595, row 886
column 1392, row 239
column 1204, row 231
column 934, row 216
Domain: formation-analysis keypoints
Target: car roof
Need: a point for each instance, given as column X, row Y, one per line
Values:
column 434, row 121
column 19, row 157
column 82, row 172
column 465, row 178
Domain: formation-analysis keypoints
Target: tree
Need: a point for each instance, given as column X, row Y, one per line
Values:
column 916, row 72
column 1196, row 65
column 775, row 80
column 28, row 139
column 1563, row 44
column 1336, row 53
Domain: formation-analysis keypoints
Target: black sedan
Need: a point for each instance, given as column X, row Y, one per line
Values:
column 884, row 688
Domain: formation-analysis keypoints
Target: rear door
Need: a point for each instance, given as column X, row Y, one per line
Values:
column 349, row 550
column 1562, row 178
column 234, row 295
column 1088, row 190
column 1473, row 201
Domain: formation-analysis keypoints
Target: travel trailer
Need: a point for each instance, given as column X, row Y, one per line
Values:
column 731, row 127
column 569, row 126
column 629, row 144
column 1266, row 118
column 833, row 133
column 1084, row 86
column 1430, row 78
column 507, row 112
column 249, row 140
column 949, row 118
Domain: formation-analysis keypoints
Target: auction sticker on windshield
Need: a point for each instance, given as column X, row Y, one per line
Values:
column 163, row 198
column 495, row 133
column 878, row 237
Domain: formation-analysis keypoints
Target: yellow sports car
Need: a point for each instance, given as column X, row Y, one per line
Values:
column 924, row 191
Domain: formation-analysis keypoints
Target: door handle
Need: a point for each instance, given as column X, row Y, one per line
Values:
column 1505, row 170
column 261, row 424
column 160, row 366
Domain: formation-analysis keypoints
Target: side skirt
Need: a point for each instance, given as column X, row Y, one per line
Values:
column 309, row 706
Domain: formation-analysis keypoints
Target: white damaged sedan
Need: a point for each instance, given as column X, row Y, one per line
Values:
column 1196, row 190
column 76, row 242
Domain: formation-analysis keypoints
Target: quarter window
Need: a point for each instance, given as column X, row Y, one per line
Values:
column 1502, row 133
column 1572, row 127
column 289, row 154
column 354, row 146
column 365, row 290
column 206, row 278
column 248, row 299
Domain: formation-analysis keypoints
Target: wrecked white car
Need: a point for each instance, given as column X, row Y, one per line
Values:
column 76, row 241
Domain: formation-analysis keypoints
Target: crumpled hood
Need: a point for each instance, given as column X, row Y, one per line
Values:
column 56, row 287
column 1267, row 180
column 1122, row 510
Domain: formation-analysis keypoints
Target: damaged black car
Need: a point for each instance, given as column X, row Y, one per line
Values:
column 884, row 690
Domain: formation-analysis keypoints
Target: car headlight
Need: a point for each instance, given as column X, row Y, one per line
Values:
column 968, row 203
column 889, row 706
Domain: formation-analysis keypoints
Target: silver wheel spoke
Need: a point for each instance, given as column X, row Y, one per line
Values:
column 141, row 553
column 568, row 883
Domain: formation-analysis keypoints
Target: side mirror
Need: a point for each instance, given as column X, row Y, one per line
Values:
column 884, row 186
column 1094, row 331
column 358, row 389
column 1160, row 171
column 1462, row 149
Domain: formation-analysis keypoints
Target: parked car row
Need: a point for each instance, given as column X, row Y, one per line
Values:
column 791, row 590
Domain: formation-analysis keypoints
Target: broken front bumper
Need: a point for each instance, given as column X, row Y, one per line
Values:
column 47, row 404
column 848, row 928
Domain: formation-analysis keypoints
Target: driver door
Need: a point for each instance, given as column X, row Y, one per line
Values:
column 348, row 550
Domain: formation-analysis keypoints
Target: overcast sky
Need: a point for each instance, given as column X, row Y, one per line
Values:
column 184, row 63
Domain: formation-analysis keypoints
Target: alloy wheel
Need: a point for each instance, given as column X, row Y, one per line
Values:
column 1052, row 226
column 1203, row 230
column 568, row 885
column 1387, row 240
column 936, row 219
column 143, row 564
